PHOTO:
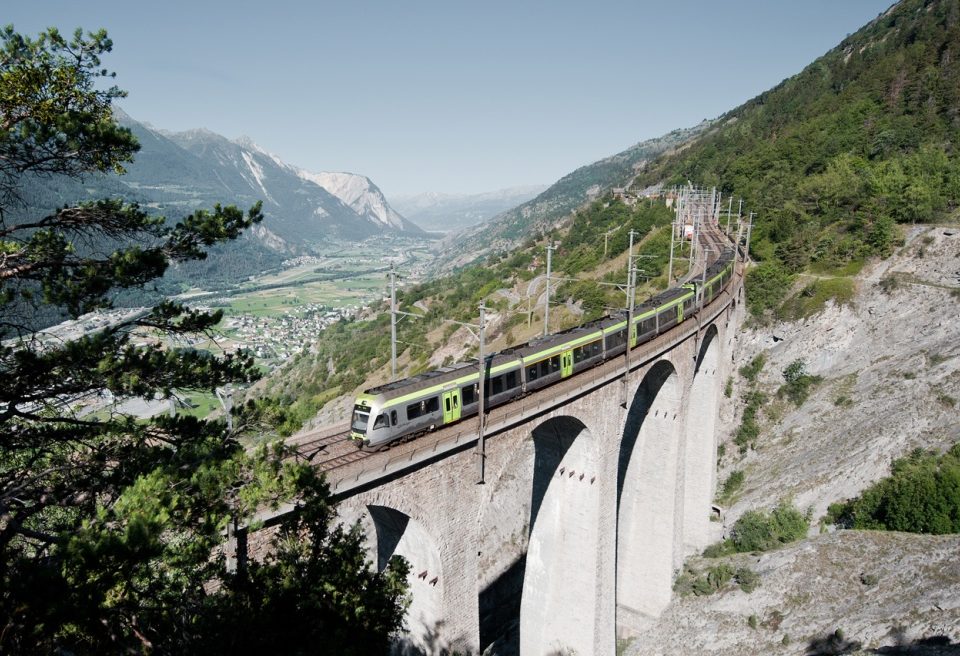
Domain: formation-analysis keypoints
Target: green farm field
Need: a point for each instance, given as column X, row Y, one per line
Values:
column 334, row 293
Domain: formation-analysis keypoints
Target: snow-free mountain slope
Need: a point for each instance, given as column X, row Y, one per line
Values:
column 360, row 194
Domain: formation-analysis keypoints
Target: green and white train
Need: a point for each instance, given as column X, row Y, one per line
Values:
column 411, row 406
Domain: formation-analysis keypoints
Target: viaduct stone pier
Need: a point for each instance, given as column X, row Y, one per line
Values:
column 592, row 496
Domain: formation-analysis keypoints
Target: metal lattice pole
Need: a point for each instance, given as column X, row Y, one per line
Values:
column 481, row 413
column 546, row 304
column 393, row 323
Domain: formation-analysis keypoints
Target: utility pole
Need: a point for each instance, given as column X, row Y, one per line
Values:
column 673, row 231
column 746, row 255
column 729, row 211
column 481, row 410
column 393, row 323
column 394, row 313
column 631, row 294
column 693, row 241
column 546, row 305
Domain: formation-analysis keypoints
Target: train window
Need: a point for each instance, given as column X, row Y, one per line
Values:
column 469, row 394
column 393, row 417
column 456, row 401
column 532, row 372
column 415, row 410
column 616, row 339
column 578, row 354
column 421, row 408
column 497, row 385
column 512, row 380
column 380, row 422
column 554, row 364
column 361, row 416
column 447, row 403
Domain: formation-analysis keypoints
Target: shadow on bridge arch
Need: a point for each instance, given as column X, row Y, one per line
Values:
column 647, row 497
column 700, row 452
column 398, row 534
column 557, row 605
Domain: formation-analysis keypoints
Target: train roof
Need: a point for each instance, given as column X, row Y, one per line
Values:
column 503, row 359
column 442, row 375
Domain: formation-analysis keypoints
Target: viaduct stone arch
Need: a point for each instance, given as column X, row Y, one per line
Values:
column 647, row 504
column 560, row 573
column 587, row 507
column 700, row 448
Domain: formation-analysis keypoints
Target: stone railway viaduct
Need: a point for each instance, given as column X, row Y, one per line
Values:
column 594, row 494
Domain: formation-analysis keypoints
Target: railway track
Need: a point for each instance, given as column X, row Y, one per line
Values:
column 331, row 448
column 327, row 450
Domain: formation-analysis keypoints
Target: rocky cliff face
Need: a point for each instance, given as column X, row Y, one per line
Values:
column 890, row 362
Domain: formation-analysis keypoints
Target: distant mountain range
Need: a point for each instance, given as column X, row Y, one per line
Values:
column 175, row 173
column 453, row 212
column 538, row 214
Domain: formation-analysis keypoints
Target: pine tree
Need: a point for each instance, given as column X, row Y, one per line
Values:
column 110, row 527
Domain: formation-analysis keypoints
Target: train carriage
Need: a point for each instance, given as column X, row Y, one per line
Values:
column 408, row 407
column 553, row 357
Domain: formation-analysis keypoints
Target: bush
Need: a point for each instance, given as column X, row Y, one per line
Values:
column 921, row 496
column 766, row 286
column 798, row 382
column 752, row 370
column 747, row 579
column 702, row 585
column 730, row 486
column 758, row 530
column 749, row 429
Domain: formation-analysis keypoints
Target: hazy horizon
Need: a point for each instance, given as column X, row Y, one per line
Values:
column 442, row 97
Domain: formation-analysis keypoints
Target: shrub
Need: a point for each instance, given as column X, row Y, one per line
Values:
column 889, row 284
column 728, row 388
column 922, row 495
column 798, row 382
column 747, row 579
column 749, row 429
column 758, row 530
column 752, row 370
column 869, row 580
column 730, row 486
column 766, row 286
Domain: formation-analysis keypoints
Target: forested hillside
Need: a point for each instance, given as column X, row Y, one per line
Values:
column 833, row 158
column 507, row 230
column 330, row 369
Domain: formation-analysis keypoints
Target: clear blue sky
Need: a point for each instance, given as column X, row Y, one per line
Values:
column 447, row 95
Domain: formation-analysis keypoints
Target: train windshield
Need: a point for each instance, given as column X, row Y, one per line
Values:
column 361, row 416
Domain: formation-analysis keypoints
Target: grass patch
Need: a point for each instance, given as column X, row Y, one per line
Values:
column 749, row 430
column 198, row 404
column 730, row 486
column 751, row 370
column 813, row 298
column 844, row 391
column 850, row 268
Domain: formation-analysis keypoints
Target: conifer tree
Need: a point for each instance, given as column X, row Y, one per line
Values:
column 111, row 527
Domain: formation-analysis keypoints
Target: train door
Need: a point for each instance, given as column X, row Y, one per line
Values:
column 679, row 311
column 451, row 405
column 566, row 363
column 633, row 333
